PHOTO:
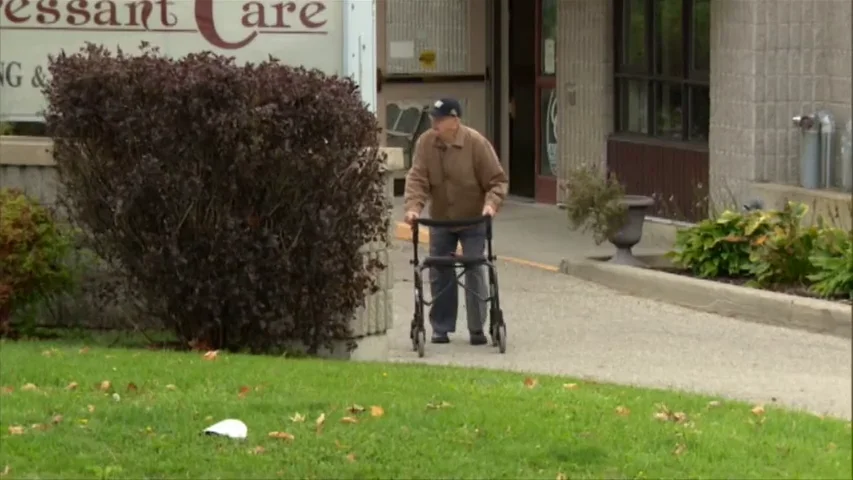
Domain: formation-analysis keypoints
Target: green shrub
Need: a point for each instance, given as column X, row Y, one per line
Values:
column 720, row 247
column 33, row 250
column 593, row 201
column 782, row 255
column 833, row 261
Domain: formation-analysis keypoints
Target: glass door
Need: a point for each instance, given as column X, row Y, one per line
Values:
column 547, row 127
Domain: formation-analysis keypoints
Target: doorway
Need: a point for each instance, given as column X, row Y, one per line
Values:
column 522, row 95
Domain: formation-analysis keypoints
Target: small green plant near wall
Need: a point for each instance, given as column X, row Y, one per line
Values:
column 771, row 249
column 782, row 255
column 833, row 262
column 720, row 247
column 5, row 128
column 33, row 251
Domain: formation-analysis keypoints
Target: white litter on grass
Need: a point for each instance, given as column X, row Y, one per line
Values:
column 228, row 428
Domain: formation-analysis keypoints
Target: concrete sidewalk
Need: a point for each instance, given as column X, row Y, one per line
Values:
column 561, row 325
column 540, row 234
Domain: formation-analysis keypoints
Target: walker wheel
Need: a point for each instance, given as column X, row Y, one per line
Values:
column 502, row 338
column 413, row 335
column 420, row 343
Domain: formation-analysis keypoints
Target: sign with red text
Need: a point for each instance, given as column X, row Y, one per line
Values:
column 297, row 32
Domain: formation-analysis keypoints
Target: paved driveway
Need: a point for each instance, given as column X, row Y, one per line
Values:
column 561, row 325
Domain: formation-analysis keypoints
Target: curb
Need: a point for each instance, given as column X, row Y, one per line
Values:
column 753, row 305
column 403, row 231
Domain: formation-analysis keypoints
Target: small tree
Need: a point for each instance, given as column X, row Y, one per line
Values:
column 235, row 199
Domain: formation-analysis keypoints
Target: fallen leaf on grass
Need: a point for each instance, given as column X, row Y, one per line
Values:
column 530, row 382
column 664, row 414
column 244, row 390
column 5, row 471
column 57, row 419
column 562, row 476
column 83, row 421
column 90, row 408
column 438, row 406
column 679, row 449
column 758, row 410
column 29, row 387
column 257, row 450
column 714, row 403
column 105, row 385
column 355, row 409
column 16, row 430
column 351, row 457
column 321, row 420
column 297, row 418
column 282, row 436
column 171, row 387
column 116, row 397
column 570, row 386
column 72, row 386
column 376, row 411
column 211, row 355
column 349, row 420
column 83, row 351
column 622, row 411
column 39, row 426
column 7, row 390
column 131, row 387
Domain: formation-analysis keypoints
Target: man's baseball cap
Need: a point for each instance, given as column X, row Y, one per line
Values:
column 445, row 107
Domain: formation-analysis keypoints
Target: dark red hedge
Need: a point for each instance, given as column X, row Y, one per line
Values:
column 234, row 198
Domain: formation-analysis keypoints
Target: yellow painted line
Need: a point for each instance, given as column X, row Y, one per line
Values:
column 528, row 263
column 404, row 232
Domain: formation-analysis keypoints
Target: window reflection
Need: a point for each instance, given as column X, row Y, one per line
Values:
column 669, row 115
column 548, row 47
column 634, row 41
column 634, row 98
column 669, row 38
column 667, row 98
column 702, row 35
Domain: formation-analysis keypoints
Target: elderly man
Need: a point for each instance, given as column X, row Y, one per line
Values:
column 458, row 170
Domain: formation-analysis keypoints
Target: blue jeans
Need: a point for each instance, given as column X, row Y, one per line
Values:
column 442, row 315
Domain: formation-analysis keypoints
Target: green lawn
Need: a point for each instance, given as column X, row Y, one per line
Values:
column 139, row 414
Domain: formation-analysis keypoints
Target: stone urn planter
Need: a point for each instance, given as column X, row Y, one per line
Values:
column 631, row 232
column 596, row 203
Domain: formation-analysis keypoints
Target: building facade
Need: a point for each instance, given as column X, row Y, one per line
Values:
column 690, row 101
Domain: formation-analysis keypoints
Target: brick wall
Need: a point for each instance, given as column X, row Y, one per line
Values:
column 772, row 60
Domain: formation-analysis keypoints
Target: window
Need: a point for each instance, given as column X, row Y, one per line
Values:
column 548, row 38
column 662, row 68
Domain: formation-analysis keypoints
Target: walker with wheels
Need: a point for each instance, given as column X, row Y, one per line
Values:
column 497, row 327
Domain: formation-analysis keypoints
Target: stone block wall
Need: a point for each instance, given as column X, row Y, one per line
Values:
column 772, row 60
column 584, row 80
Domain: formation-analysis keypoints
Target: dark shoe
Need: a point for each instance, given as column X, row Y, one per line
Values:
column 478, row 338
column 438, row 337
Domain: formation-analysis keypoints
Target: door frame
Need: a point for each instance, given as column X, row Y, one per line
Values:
column 546, row 185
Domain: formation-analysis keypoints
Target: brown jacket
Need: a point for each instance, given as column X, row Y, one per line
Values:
column 460, row 178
